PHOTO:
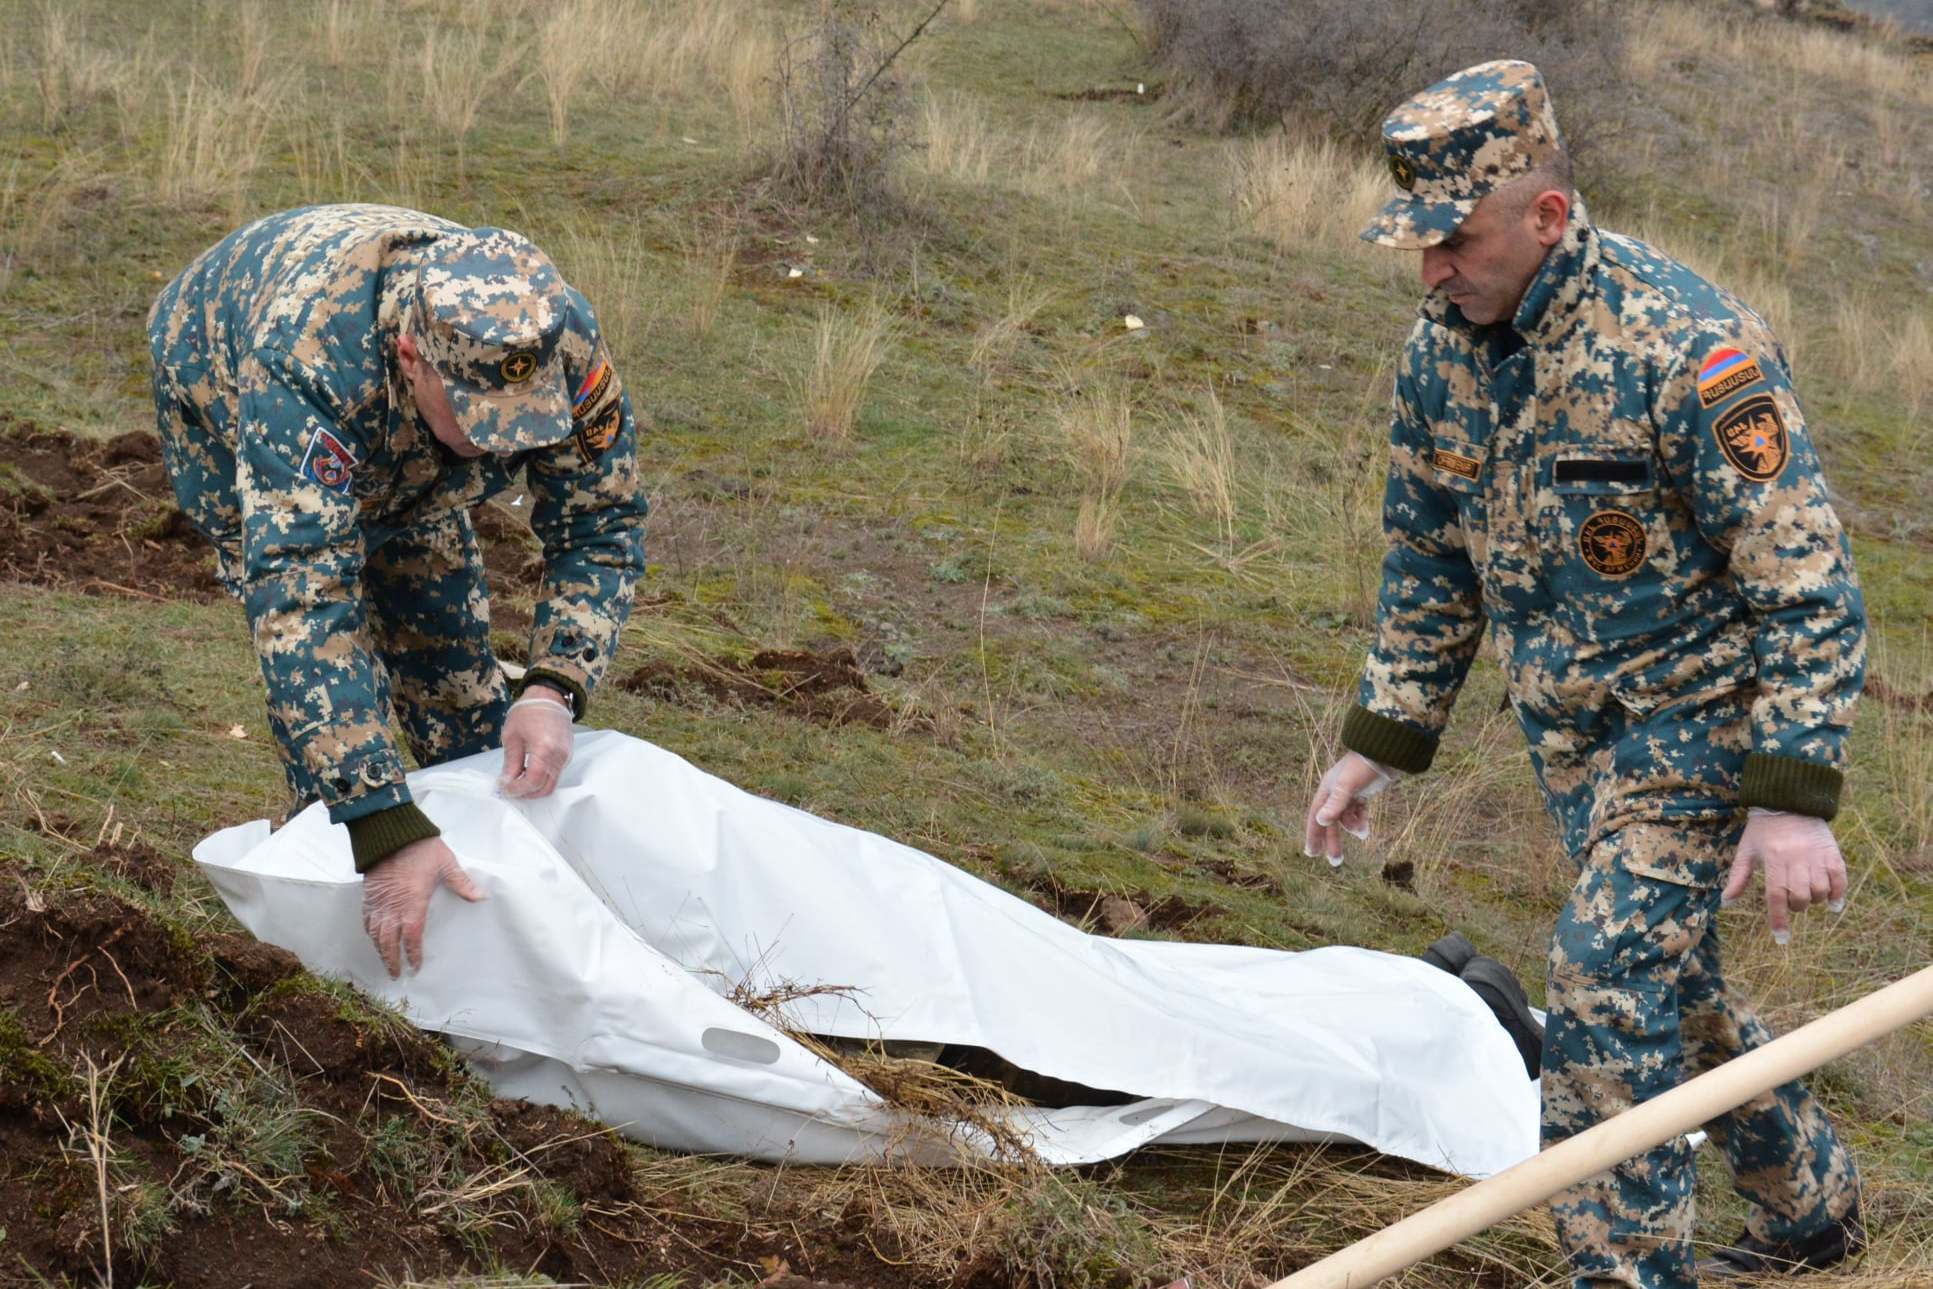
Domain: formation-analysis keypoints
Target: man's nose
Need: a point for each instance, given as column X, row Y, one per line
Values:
column 1436, row 267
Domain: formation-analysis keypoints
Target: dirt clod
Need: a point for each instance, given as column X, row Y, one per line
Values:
column 826, row 688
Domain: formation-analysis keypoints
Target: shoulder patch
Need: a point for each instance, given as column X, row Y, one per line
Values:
column 597, row 410
column 1612, row 543
column 1726, row 372
column 328, row 461
column 1753, row 438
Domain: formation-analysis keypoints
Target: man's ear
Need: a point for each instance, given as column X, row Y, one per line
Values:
column 408, row 354
column 1549, row 213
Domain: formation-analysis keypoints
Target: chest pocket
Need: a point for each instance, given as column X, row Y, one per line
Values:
column 1604, row 539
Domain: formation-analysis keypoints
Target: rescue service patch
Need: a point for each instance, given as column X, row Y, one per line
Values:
column 1402, row 171
column 1726, row 372
column 328, row 461
column 1752, row 436
column 1456, row 463
column 1612, row 543
column 597, row 410
column 518, row 367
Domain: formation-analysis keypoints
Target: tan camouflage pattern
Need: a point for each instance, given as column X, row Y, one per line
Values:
column 489, row 312
column 1638, row 1003
column 1456, row 142
column 1620, row 482
column 294, row 445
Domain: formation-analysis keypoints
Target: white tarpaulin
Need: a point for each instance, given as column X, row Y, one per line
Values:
column 623, row 909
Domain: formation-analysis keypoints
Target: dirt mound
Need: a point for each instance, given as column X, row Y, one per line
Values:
column 96, row 516
column 250, row 1124
column 825, row 688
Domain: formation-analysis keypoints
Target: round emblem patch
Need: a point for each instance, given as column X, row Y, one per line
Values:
column 1612, row 543
column 1404, row 172
column 1752, row 436
column 518, row 367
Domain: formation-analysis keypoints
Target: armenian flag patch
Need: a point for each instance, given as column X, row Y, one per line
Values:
column 1726, row 372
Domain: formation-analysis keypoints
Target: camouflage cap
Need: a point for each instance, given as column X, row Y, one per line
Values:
column 1458, row 140
column 490, row 310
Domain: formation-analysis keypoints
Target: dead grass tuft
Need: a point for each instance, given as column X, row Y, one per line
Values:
column 1200, row 453
column 846, row 351
column 1097, row 432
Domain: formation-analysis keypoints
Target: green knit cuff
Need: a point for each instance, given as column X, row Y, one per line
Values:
column 580, row 697
column 1786, row 783
column 1396, row 745
column 376, row 837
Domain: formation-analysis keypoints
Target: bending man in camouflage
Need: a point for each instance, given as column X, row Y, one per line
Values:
column 1600, row 454
column 337, row 387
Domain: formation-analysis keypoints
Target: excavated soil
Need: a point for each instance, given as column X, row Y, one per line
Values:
column 183, row 1030
column 826, row 688
column 96, row 516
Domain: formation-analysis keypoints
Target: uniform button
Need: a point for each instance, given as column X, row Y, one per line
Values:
column 341, row 784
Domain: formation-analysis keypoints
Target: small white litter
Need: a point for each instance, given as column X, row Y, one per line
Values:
column 624, row 907
column 1131, row 322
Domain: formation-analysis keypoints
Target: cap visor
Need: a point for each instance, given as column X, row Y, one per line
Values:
column 1411, row 225
column 532, row 417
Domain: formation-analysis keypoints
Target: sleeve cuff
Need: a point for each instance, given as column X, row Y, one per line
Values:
column 376, row 837
column 1396, row 745
column 580, row 697
column 1786, row 783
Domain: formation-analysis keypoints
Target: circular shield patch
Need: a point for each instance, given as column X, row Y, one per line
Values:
column 1402, row 170
column 1612, row 543
column 518, row 367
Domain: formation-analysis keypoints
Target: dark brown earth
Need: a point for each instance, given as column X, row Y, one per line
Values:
column 177, row 1027
column 827, row 688
column 96, row 516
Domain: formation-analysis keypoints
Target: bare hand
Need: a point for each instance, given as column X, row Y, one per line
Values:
column 1802, row 866
column 396, row 898
column 1340, row 805
column 536, row 743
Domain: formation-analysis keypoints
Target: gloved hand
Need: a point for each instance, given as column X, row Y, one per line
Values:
column 536, row 743
column 1340, row 805
column 396, row 898
column 1802, row 866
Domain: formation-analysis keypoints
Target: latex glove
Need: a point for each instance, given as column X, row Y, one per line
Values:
column 1340, row 805
column 1802, row 866
column 396, row 898
column 536, row 743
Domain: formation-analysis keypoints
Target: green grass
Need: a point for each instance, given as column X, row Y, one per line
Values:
column 1143, row 724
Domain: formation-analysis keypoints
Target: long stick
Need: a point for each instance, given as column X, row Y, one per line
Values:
column 1636, row 1130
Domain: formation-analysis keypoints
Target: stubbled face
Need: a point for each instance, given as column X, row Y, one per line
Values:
column 1488, row 263
column 432, row 403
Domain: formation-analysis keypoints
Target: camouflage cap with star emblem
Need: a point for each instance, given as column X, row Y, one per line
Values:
column 490, row 310
column 1458, row 140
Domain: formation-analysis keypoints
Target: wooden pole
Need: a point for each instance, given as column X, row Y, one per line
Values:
column 1638, row 1129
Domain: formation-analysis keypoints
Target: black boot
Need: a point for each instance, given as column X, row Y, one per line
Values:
column 1816, row 1252
column 1500, row 993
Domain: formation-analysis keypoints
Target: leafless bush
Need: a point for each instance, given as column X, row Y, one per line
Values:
column 1246, row 64
column 844, row 115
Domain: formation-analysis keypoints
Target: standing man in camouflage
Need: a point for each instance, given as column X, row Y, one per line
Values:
column 1601, row 455
column 337, row 387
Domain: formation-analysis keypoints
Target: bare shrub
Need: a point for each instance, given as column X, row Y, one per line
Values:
column 844, row 116
column 1245, row 64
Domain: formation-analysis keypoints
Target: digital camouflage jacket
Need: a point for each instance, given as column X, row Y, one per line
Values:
column 1621, row 483
column 281, row 342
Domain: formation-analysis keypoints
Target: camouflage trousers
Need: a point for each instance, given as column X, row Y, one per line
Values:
column 425, row 605
column 1637, row 1005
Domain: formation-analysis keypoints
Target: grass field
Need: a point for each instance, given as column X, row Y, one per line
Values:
column 1109, row 587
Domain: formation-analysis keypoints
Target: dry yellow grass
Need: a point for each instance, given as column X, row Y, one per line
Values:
column 1200, row 453
column 958, row 141
column 1097, row 432
column 68, row 71
column 846, row 351
column 710, row 255
column 457, row 72
column 213, row 142
column 994, row 343
column 569, row 45
column 1078, row 156
column 1302, row 191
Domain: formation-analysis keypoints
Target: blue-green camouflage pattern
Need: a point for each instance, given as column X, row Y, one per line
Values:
column 1637, row 1003
column 294, row 445
column 1620, row 484
column 1457, row 141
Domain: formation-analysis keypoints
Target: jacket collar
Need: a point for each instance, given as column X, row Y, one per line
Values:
column 1550, row 303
